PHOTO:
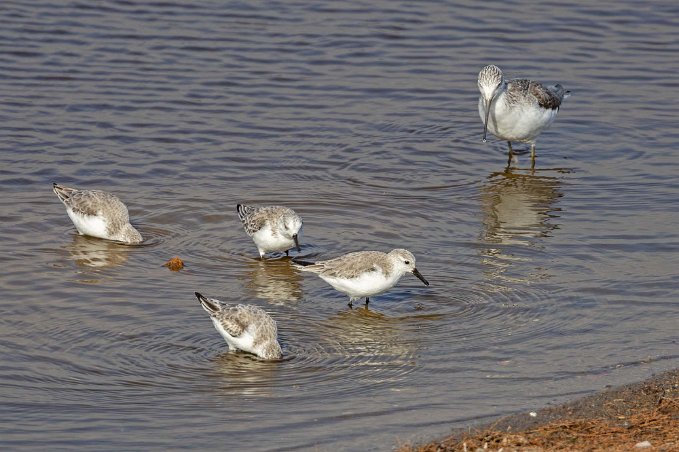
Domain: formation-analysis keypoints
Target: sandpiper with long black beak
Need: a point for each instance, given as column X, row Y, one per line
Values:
column 364, row 273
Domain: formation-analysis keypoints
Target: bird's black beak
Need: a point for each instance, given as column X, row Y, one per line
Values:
column 485, row 123
column 420, row 277
column 489, row 103
column 294, row 237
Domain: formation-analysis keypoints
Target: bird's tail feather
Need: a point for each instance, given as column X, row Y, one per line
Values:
column 244, row 211
column 63, row 193
column 208, row 304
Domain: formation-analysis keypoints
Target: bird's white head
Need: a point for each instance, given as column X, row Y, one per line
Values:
column 491, row 82
column 490, row 79
column 292, row 224
column 404, row 261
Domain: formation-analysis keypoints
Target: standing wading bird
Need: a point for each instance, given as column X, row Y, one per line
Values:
column 517, row 110
column 364, row 273
column 272, row 228
column 98, row 214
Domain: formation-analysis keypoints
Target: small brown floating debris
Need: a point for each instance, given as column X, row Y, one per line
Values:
column 175, row 264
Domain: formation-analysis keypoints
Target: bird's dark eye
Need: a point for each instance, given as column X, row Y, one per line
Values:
column 407, row 262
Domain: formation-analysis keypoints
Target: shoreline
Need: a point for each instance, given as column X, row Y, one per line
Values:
column 635, row 416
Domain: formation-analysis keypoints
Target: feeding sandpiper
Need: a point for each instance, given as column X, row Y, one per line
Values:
column 364, row 273
column 517, row 110
column 244, row 327
column 272, row 228
column 98, row 214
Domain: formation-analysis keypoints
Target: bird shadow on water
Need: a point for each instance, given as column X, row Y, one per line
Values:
column 519, row 204
column 519, row 212
column 274, row 280
column 92, row 256
column 366, row 330
column 243, row 374
column 90, row 252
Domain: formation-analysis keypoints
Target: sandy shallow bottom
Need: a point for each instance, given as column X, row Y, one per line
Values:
column 639, row 416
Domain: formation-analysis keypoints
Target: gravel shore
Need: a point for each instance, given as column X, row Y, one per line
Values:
column 636, row 417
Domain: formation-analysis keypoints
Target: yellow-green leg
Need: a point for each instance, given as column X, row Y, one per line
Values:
column 511, row 154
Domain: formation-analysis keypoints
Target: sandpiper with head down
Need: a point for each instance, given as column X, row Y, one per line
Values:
column 518, row 109
column 244, row 327
column 272, row 228
column 98, row 214
column 364, row 273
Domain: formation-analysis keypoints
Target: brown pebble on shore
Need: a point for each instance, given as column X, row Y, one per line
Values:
column 175, row 264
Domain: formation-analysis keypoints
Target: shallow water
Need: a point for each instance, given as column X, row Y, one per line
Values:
column 362, row 116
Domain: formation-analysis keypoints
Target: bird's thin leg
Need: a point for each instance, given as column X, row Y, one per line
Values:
column 532, row 156
column 511, row 154
column 286, row 252
column 367, row 300
column 351, row 304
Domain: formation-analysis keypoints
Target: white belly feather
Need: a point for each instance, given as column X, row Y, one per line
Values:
column 516, row 122
column 243, row 342
column 268, row 242
column 365, row 285
column 91, row 225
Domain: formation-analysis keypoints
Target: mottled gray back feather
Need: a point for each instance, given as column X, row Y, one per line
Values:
column 545, row 97
column 254, row 218
column 352, row 265
column 94, row 202
column 237, row 318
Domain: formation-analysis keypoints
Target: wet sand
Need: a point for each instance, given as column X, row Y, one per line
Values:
column 639, row 416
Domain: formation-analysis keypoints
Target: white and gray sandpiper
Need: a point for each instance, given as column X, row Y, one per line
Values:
column 364, row 273
column 518, row 109
column 98, row 214
column 244, row 327
column 272, row 228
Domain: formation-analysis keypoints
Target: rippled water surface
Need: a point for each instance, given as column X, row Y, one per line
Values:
column 361, row 116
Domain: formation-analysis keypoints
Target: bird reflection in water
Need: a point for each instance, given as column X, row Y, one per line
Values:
column 518, row 211
column 243, row 374
column 96, row 253
column 274, row 280
column 378, row 338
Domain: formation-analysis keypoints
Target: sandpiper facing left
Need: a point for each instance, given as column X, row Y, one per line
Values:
column 98, row 214
column 364, row 273
column 517, row 110
column 272, row 228
column 244, row 327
